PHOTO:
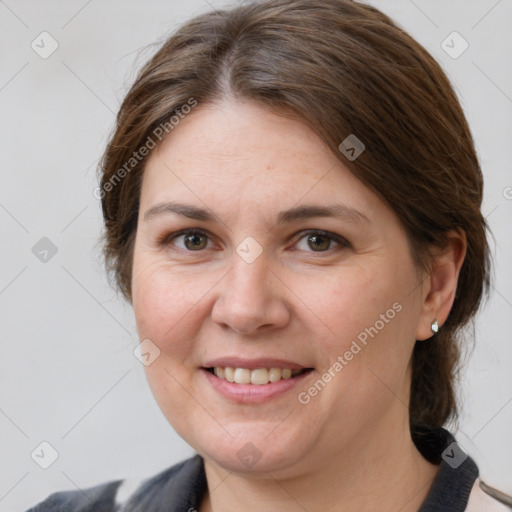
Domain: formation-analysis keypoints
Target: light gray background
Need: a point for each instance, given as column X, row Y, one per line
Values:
column 67, row 371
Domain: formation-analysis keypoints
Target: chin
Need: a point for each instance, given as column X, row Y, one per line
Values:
column 252, row 452
column 249, row 460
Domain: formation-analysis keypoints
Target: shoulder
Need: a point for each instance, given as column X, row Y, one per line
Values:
column 485, row 499
column 100, row 498
column 113, row 496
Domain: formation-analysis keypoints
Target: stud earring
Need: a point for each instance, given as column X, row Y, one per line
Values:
column 435, row 327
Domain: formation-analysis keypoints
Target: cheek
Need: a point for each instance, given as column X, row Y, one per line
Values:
column 370, row 314
column 166, row 307
column 169, row 304
column 366, row 370
column 349, row 301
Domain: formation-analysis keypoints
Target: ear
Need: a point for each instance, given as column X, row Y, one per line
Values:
column 440, row 285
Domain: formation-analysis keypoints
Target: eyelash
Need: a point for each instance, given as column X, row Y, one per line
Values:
column 166, row 240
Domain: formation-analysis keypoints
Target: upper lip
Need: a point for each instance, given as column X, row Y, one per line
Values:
column 252, row 364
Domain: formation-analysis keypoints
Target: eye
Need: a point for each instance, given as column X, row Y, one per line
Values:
column 193, row 239
column 321, row 241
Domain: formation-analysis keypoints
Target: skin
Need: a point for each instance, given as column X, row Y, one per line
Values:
column 295, row 302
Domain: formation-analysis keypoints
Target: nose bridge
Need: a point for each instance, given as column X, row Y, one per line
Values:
column 250, row 298
column 250, row 279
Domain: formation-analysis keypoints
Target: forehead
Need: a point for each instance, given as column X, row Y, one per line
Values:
column 241, row 154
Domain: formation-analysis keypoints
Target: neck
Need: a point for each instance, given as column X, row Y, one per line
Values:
column 385, row 472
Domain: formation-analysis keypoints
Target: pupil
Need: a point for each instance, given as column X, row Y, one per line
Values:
column 194, row 239
column 315, row 239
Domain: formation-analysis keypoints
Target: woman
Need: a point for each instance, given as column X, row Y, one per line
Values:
column 292, row 206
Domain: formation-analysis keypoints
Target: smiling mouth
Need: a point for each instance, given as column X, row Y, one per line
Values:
column 258, row 376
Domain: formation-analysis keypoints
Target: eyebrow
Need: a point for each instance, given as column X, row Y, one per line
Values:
column 287, row 216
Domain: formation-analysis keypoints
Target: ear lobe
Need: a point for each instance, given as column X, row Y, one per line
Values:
column 441, row 284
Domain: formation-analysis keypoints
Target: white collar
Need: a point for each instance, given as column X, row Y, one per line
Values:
column 480, row 501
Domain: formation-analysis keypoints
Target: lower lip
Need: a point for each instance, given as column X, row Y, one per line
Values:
column 253, row 393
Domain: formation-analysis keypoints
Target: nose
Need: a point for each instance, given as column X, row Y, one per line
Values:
column 251, row 298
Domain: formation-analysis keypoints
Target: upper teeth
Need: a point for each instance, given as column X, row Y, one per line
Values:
column 257, row 376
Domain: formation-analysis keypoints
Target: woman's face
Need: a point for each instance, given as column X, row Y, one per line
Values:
column 268, row 287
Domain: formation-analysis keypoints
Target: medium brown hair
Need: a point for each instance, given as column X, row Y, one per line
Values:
column 343, row 68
